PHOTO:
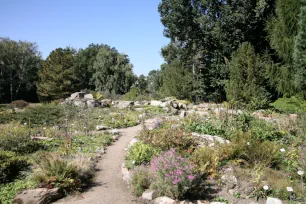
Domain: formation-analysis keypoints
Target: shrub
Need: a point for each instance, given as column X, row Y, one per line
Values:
column 54, row 171
column 290, row 105
column 140, row 180
column 172, row 175
column 122, row 119
column 19, row 104
column 165, row 137
column 10, row 166
column 16, row 138
column 140, row 153
column 263, row 130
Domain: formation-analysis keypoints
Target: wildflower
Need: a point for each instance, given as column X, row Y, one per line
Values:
column 191, row 177
column 282, row 150
column 300, row 173
column 266, row 188
column 133, row 162
column 44, row 128
column 249, row 143
column 25, row 123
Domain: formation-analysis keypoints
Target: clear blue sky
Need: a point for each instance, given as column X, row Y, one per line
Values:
column 132, row 26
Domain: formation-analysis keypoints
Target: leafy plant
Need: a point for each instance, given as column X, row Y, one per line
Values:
column 172, row 174
column 290, row 105
column 140, row 180
column 140, row 153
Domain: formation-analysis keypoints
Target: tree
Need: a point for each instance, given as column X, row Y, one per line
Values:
column 155, row 82
column 112, row 72
column 141, row 84
column 83, row 68
column 56, row 75
column 19, row 63
column 246, row 83
column 299, row 54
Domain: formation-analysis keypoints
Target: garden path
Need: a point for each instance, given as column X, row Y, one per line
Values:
column 108, row 186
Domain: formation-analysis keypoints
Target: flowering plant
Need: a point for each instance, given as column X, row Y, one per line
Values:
column 172, row 174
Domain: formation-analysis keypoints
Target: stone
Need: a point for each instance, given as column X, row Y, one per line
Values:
column 132, row 142
column 89, row 96
column 209, row 139
column 116, row 137
column 293, row 116
column 183, row 114
column 77, row 95
column 156, row 103
column 125, row 104
column 183, row 106
column 105, row 103
column 273, row 201
column 92, row 104
column 164, row 200
column 79, row 103
column 148, row 195
column 175, row 105
column 114, row 132
column 102, row 127
column 126, row 176
column 38, row 196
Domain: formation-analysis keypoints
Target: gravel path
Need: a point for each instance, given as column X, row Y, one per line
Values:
column 108, row 186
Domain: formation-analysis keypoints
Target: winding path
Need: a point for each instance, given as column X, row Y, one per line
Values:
column 108, row 186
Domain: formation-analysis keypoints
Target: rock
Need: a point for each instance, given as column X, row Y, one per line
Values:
column 273, row 201
column 231, row 191
column 183, row 106
column 185, row 202
column 92, row 104
column 78, row 103
column 105, row 103
column 156, row 103
column 132, row 142
column 89, row 96
column 139, row 109
column 164, row 200
column 77, row 95
column 210, row 140
column 114, row 132
column 116, row 137
column 174, row 111
column 149, row 195
column 126, row 176
column 124, row 104
column 102, row 127
column 293, row 116
column 224, row 111
column 175, row 105
column 183, row 114
column 228, row 178
column 38, row 196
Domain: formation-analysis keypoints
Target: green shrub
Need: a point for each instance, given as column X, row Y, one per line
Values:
column 16, row 138
column 264, row 130
column 8, row 191
column 53, row 171
column 11, row 165
column 18, row 104
column 290, row 105
column 121, row 119
column 140, row 153
column 165, row 137
column 140, row 180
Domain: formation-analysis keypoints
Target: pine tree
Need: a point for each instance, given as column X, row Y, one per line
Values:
column 56, row 75
column 300, row 53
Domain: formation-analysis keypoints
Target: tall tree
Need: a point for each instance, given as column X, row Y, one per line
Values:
column 113, row 72
column 299, row 54
column 155, row 82
column 19, row 62
column 56, row 79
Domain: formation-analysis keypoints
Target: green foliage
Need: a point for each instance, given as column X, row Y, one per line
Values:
column 8, row 191
column 112, row 72
column 246, row 80
column 165, row 137
column 19, row 63
column 135, row 94
column 290, row 105
column 16, row 138
column 18, row 104
column 140, row 153
column 140, row 180
column 121, row 119
column 11, row 165
column 56, row 75
column 53, row 171
column 299, row 54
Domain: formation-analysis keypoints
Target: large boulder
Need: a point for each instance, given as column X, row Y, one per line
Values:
column 77, row 95
column 148, row 195
column 209, row 140
column 79, row 103
column 38, row 196
column 156, row 103
column 105, row 103
column 124, row 104
column 92, row 103
column 89, row 96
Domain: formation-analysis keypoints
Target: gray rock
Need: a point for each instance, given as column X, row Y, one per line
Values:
column 79, row 103
column 105, row 103
column 183, row 114
column 114, row 132
column 156, row 103
column 77, row 95
column 38, row 196
column 126, row 176
column 273, row 201
column 210, row 140
column 89, row 96
column 116, row 137
column 102, row 127
column 149, row 195
column 183, row 106
column 175, row 105
column 92, row 104
column 164, row 200
column 124, row 104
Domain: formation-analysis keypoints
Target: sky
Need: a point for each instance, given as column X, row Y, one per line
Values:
column 133, row 27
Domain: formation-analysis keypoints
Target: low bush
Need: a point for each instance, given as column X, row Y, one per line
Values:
column 140, row 153
column 263, row 130
column 16, row 138
column 121, row 119
column 68, row 174
column 140, row 180
column 165, row 137
column 172, row 175
column 290, row 105
column 11, row 165
column 18, row 104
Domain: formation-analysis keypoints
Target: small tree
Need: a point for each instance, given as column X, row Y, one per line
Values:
column 246, row 81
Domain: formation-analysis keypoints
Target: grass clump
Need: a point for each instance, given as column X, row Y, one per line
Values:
column 140, row 180
column 290, row 105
